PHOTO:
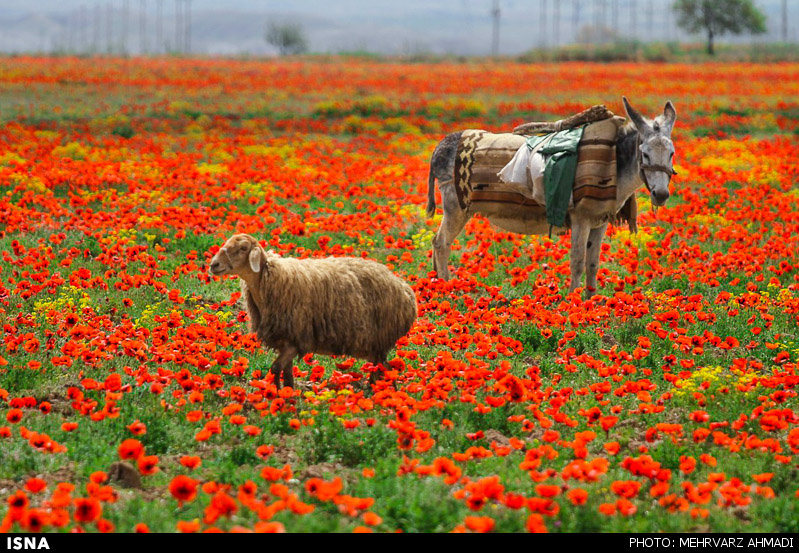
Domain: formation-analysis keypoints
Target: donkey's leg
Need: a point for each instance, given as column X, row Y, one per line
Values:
column 452, row 224
column 593, row 249
column 580, row 230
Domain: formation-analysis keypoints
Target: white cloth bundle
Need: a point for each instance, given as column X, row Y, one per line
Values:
column 515, row 172
column 526, row 170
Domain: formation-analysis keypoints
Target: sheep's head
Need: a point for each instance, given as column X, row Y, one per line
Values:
column 240, row 255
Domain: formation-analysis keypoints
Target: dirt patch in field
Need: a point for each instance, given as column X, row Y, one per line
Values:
column 284, row 453
column 321, row 470
column 7, row 486
column 537, row 433
column 492, row 435
column 609, row 340
column 64, row 474
column 742, row 513
column 148, row 494
column 328, row 471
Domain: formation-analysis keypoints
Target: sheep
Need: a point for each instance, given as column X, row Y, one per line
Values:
column 333, row 306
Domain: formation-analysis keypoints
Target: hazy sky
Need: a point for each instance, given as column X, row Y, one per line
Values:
column 385, row 26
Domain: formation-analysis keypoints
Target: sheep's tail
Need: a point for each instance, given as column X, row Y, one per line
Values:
column 431, row 192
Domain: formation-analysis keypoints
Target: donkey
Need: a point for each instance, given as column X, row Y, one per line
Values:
column 644, row 156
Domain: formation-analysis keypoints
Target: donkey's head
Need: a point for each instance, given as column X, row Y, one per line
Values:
column 655, row 150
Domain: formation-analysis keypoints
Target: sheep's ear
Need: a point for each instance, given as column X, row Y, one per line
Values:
column 256, row 255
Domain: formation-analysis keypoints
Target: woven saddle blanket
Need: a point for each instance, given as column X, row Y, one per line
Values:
column 482, row 155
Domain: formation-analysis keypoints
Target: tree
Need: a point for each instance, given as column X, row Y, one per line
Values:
column 288, row 38
column 719, row 17
column 596, row 34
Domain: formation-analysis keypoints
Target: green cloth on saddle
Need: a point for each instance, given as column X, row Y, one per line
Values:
column 560, row 168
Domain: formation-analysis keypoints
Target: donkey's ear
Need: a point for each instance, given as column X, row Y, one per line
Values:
column 256, row 257
column 669, row 116
column 639, row 122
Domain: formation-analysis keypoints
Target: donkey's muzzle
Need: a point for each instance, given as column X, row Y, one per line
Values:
column 660, row 196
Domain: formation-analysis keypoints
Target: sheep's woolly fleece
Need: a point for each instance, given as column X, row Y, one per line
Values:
column 330, row 306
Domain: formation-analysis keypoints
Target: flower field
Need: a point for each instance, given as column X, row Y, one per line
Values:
column 132, row 397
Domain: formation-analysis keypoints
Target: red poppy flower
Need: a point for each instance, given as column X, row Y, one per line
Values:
column 14, row 416
column 148, row 464
column 190, row 462
column 35, row 485
column 87, row 509
column 130, row 449
column 183, row 488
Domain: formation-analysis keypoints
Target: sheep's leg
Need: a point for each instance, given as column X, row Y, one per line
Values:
column 288, row 356
column 380, row 371
column 580, row 230
column 380, row 363
column 274, row 370
column 288, row 376
column 283, row 365
column 452, row 224
column 593, row 250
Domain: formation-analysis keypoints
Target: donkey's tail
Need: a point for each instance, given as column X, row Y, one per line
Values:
column 431, row 193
